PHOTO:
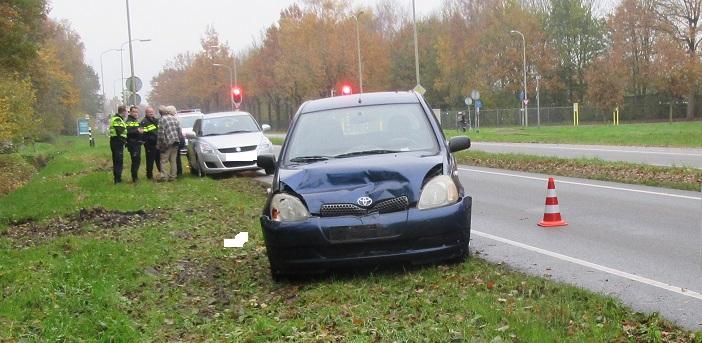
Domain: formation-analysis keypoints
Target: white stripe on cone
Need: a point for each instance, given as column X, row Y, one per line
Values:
column 552, row 209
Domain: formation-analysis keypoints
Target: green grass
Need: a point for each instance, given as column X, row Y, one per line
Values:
column 679, row 134
column 589, row 168
column 277, row 140
column 167, row 277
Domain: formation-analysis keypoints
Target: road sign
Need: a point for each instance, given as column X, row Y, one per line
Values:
column 419, row 89
column 134, row 99
column 83, row 126
column 520, row 96
column 468, row 101
column 526, row 102
column 475, row 94
column 478, row 104
column 134, row 84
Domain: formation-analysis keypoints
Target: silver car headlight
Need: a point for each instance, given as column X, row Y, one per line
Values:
column 439, row 191
column 287, row 208
column 206, row 148
column 265, row 145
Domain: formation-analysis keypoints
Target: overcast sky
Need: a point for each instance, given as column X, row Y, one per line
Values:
column 174, row 26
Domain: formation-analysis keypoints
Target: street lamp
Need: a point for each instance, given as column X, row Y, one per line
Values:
column 236, row 82
column 416, row 49
column 102, row 76
column 358, row 46
column 231, row 86
column 121, row 59
column 526, row 116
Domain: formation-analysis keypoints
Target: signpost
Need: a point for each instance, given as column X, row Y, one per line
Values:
column 419, row 89
column 134, row 85
column 475, row 94
column 469, row 101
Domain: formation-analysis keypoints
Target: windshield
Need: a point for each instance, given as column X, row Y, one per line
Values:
column 227, row 125
column 365, row 130
column 187, row 121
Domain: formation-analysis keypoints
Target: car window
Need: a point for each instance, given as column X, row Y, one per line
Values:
column 187, row 121
column 353, row 131
column 226, row 125
column 196, row 126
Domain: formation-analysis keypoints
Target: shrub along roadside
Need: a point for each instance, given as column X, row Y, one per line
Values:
column 589, row 168
column 164, row 276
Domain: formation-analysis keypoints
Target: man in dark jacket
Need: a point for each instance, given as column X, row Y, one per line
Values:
column 150, row 136
column 118, row 136
column 134, row 140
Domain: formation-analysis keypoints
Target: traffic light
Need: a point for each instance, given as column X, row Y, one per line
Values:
column 237, row 96
column 345, row 90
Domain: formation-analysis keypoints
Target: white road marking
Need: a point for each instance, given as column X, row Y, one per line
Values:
column 633, row 277
column 585, row 184
column 590, row 149
column 238, row 241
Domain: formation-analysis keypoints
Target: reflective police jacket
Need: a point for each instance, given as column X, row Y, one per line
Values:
column 133, row 134
column 150, row 127
column 118, row 129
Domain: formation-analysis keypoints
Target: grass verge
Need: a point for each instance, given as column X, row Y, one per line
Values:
column 161, row 274
column 589, row 168
column 679, row 134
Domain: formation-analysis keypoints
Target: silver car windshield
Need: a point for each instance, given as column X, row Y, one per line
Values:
column 228, row 125
column 363, row 130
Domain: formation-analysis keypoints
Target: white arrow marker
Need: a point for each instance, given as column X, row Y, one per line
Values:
column 238, row 241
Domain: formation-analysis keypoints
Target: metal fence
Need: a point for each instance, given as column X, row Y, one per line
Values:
column 505, row 117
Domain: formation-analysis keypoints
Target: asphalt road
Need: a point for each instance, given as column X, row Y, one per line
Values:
column 689, row 157
column 640, row 244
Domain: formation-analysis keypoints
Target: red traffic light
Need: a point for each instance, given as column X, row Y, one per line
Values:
column 345, row 89
column 237, row 96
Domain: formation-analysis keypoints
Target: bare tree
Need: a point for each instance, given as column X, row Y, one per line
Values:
column 681, row 20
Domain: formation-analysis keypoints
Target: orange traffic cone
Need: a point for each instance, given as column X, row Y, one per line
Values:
column 552, row 215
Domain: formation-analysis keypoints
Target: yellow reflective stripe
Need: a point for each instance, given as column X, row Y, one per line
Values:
column 150, row 127
column 132, row 123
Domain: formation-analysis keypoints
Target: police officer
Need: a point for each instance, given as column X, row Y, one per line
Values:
column 150, row 126
column 118, row 136
column 134, row 140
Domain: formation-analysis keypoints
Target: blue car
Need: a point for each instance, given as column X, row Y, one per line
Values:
column 365, row 179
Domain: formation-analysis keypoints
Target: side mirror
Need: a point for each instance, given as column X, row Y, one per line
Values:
column 266, row 161
column 459, row 143
column 265, row 127
column 190, row 135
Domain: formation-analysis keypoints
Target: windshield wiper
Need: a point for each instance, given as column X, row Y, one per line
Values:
column 235, row 131
column 367, row 152
column 309, row 158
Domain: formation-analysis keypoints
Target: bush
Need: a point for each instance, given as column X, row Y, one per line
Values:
column 15, row 171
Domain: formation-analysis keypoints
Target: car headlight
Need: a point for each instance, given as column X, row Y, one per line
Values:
column 287, row 208
column 439, row 191
column 206, row 148
column 265, row 145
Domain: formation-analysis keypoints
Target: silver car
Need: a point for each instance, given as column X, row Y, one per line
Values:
column 228, row 141
column 187, row 119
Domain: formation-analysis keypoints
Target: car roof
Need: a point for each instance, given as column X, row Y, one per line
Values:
column 227, row 114
column 189, row 114
column 354, row 100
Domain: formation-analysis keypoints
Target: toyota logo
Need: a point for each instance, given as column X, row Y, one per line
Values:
column 364, row 201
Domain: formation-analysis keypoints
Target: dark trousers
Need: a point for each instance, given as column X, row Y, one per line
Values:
column 179, row 163
column 152, row 157
column 135, row 154
column 117, row 147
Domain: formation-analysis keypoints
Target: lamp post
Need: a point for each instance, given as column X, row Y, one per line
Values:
column 121, row 59
column 230, row 78
column 102, row 77
column 416, row 48
column 526, row 116
column 358, row 46
column 236, row 82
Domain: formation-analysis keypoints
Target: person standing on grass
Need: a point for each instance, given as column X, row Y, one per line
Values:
column 134, row 141
column 150, row 126
column 118, row 136
column 167, row 142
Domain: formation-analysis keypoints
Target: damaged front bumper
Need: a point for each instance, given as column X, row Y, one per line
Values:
column 416, row 236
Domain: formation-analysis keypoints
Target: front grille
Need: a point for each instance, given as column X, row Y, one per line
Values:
column 233, row 150
column 385, row 206
column 234, row 164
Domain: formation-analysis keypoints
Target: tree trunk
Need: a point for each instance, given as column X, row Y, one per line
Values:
column 691, row 104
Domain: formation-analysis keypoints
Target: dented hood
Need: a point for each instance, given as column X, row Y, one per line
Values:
column 344, row 180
